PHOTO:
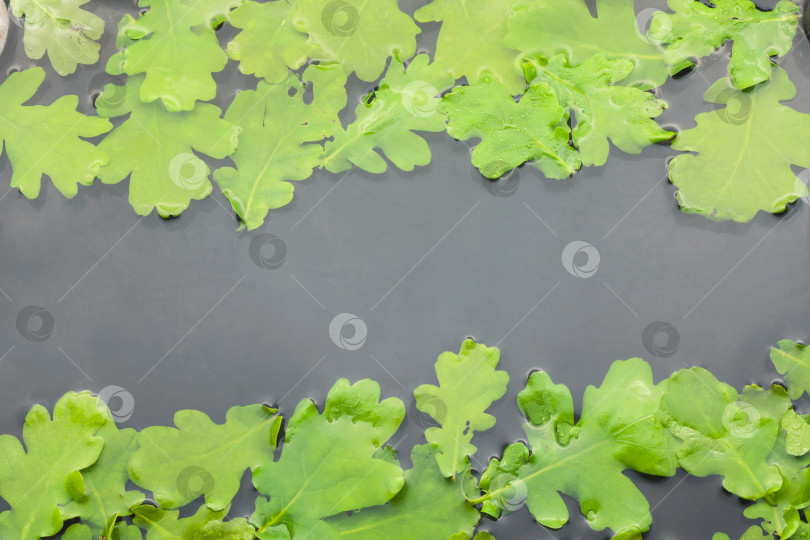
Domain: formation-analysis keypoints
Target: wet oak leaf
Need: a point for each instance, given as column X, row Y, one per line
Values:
column 277, row 129
column 105, row 493
column 406, row 100
column 330, row 463
column 695, row 30
column 533, row 130
column 725, row 433
column 471, row 38
column 779, row 511
column 358, row 34
column 175, row 46
column 429, row 506
column 155, row 147
column 37, row 480
column 468, row 384
column 604, row 112
column 552, row 27
column 200, row 457
column 268, row 45
column 792, row 360
column 741, row 153
column 60, row 28
column 618, row 430
column 48, row 139
column 797, row 429
column 205, row 524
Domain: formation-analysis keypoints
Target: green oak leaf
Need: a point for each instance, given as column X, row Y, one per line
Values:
column 330, row 462
column 77, row 531
column 552, row 27
column 105, row 495
column 268, row 45
column 429, row 506
column 37, row 481
column 534, row 130
column 61, row 29
column 277, row 128
column 618, row 430
column 200, row 457
column 358, row 34
column 792, row 360
column 695, row 30
column 798, row 433
column 603, row 111
column 471, row 40
column 723, row 432
column 780, row 510
column 175, row 46
column 468, row 385
column 406, row 100
column 205, row 524
column 47, row 139
column 742, row 153
column 155, row 146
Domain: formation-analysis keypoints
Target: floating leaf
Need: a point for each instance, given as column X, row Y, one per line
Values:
column 552, row 27
column 533, row 130
column 407, row 100
column 175, row 46
column 204, row 458
column 47, row 140
column 39, row 480
column 603, row 112
column 468, row 385
column 742, row 152
column 618, row 430
column 798, row 433
column 695, row 30
column 277, row 126
column 205, row 524
column 429, row 506
column 156, row 146
column 358, row 34
column 330, row 462
column 792, row 360
column 471, row 40
column 61, row 29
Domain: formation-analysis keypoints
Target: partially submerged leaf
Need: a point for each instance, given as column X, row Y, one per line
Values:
column 743, row 152
column 156, row 147
column 468, row 384
column 201, row 458
column 48, row 139
column 695, row 30
column 603, row 111
column 470, row 41
column 792, row 360
column 552, row 27
column 37, row 480
column 406, row 100
column 534, row 130
column 205, row 524
column 60, row 28
column 277, row 129
column 329, row 462
column 619, row 429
